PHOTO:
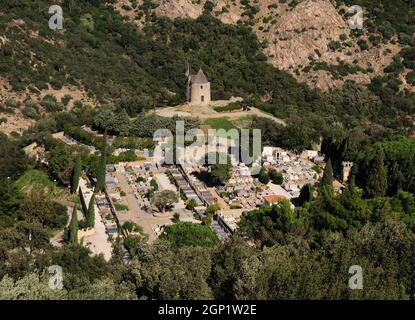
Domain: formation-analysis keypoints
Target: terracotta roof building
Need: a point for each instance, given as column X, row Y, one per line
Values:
column 272, row 199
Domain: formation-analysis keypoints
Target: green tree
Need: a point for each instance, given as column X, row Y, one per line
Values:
column 102, row 166
column 219, row 172
column 76, row 175
column 270, row 225
column 212, row 209
column 228, row 261
column 90, row 216
column 189, row 234
column 191, row 204
column 154, row 185
column 30, row 287
column 121, row 123
column 263, row 176
column 327, row 179
column 60, row 162
column 176, row 217
column 104, row 120
column 131, row 243
column 13, row 161
column 38, row 206
column 10, row 199
column 73, row 226
column 276, row 176
column 161, row 271
column 376, row 183
column 164, row 200
column 306, row 194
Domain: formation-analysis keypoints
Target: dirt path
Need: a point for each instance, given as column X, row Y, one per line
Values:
column 209, row 113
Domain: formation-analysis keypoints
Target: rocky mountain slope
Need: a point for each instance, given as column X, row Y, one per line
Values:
column 308, row 38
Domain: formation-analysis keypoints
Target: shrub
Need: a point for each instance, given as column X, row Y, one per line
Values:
column 50, row 103
column 230, row 107
column 362, row 44
column 276, row 177
column 410, row 78
column 31, row 113
column 65, row 99
column 12, row 103
column 334, row 45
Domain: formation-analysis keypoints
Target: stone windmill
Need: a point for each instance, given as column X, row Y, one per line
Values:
column 197, row 87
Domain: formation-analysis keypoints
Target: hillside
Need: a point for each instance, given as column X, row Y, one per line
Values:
column 310, row 39
column 130, row 55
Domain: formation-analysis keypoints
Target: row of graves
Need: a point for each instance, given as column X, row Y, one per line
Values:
column 184, row 186
column 107, row 215
column 111, row 183
column 194, row 188
column 200, row 187
column 297, row 169
column 113, row 196
column 140, row 177
column 242, row 191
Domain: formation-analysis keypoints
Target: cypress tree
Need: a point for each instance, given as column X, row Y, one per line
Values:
column 76, row 175
column 306, row 194
column 73, row 226
column 83, row 204
column 352, row 184
column 376, row 182
column 327, row 179
column 102, row 166
column 90, row 217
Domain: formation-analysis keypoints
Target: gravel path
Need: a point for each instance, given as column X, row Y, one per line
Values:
column 208, row 113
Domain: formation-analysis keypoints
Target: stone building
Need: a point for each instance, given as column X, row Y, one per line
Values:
column 198, row 88
column 346, row 169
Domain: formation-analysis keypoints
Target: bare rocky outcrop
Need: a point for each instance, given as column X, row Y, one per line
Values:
column 225, row 10
column 303, row 32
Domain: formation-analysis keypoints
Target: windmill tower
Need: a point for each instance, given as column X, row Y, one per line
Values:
column 197, row 87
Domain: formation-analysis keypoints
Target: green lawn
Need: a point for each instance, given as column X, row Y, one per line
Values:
column 247, row 117
column 35, row 179
column 220, row 123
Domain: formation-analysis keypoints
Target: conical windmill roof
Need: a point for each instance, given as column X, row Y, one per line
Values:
column 199, row 78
